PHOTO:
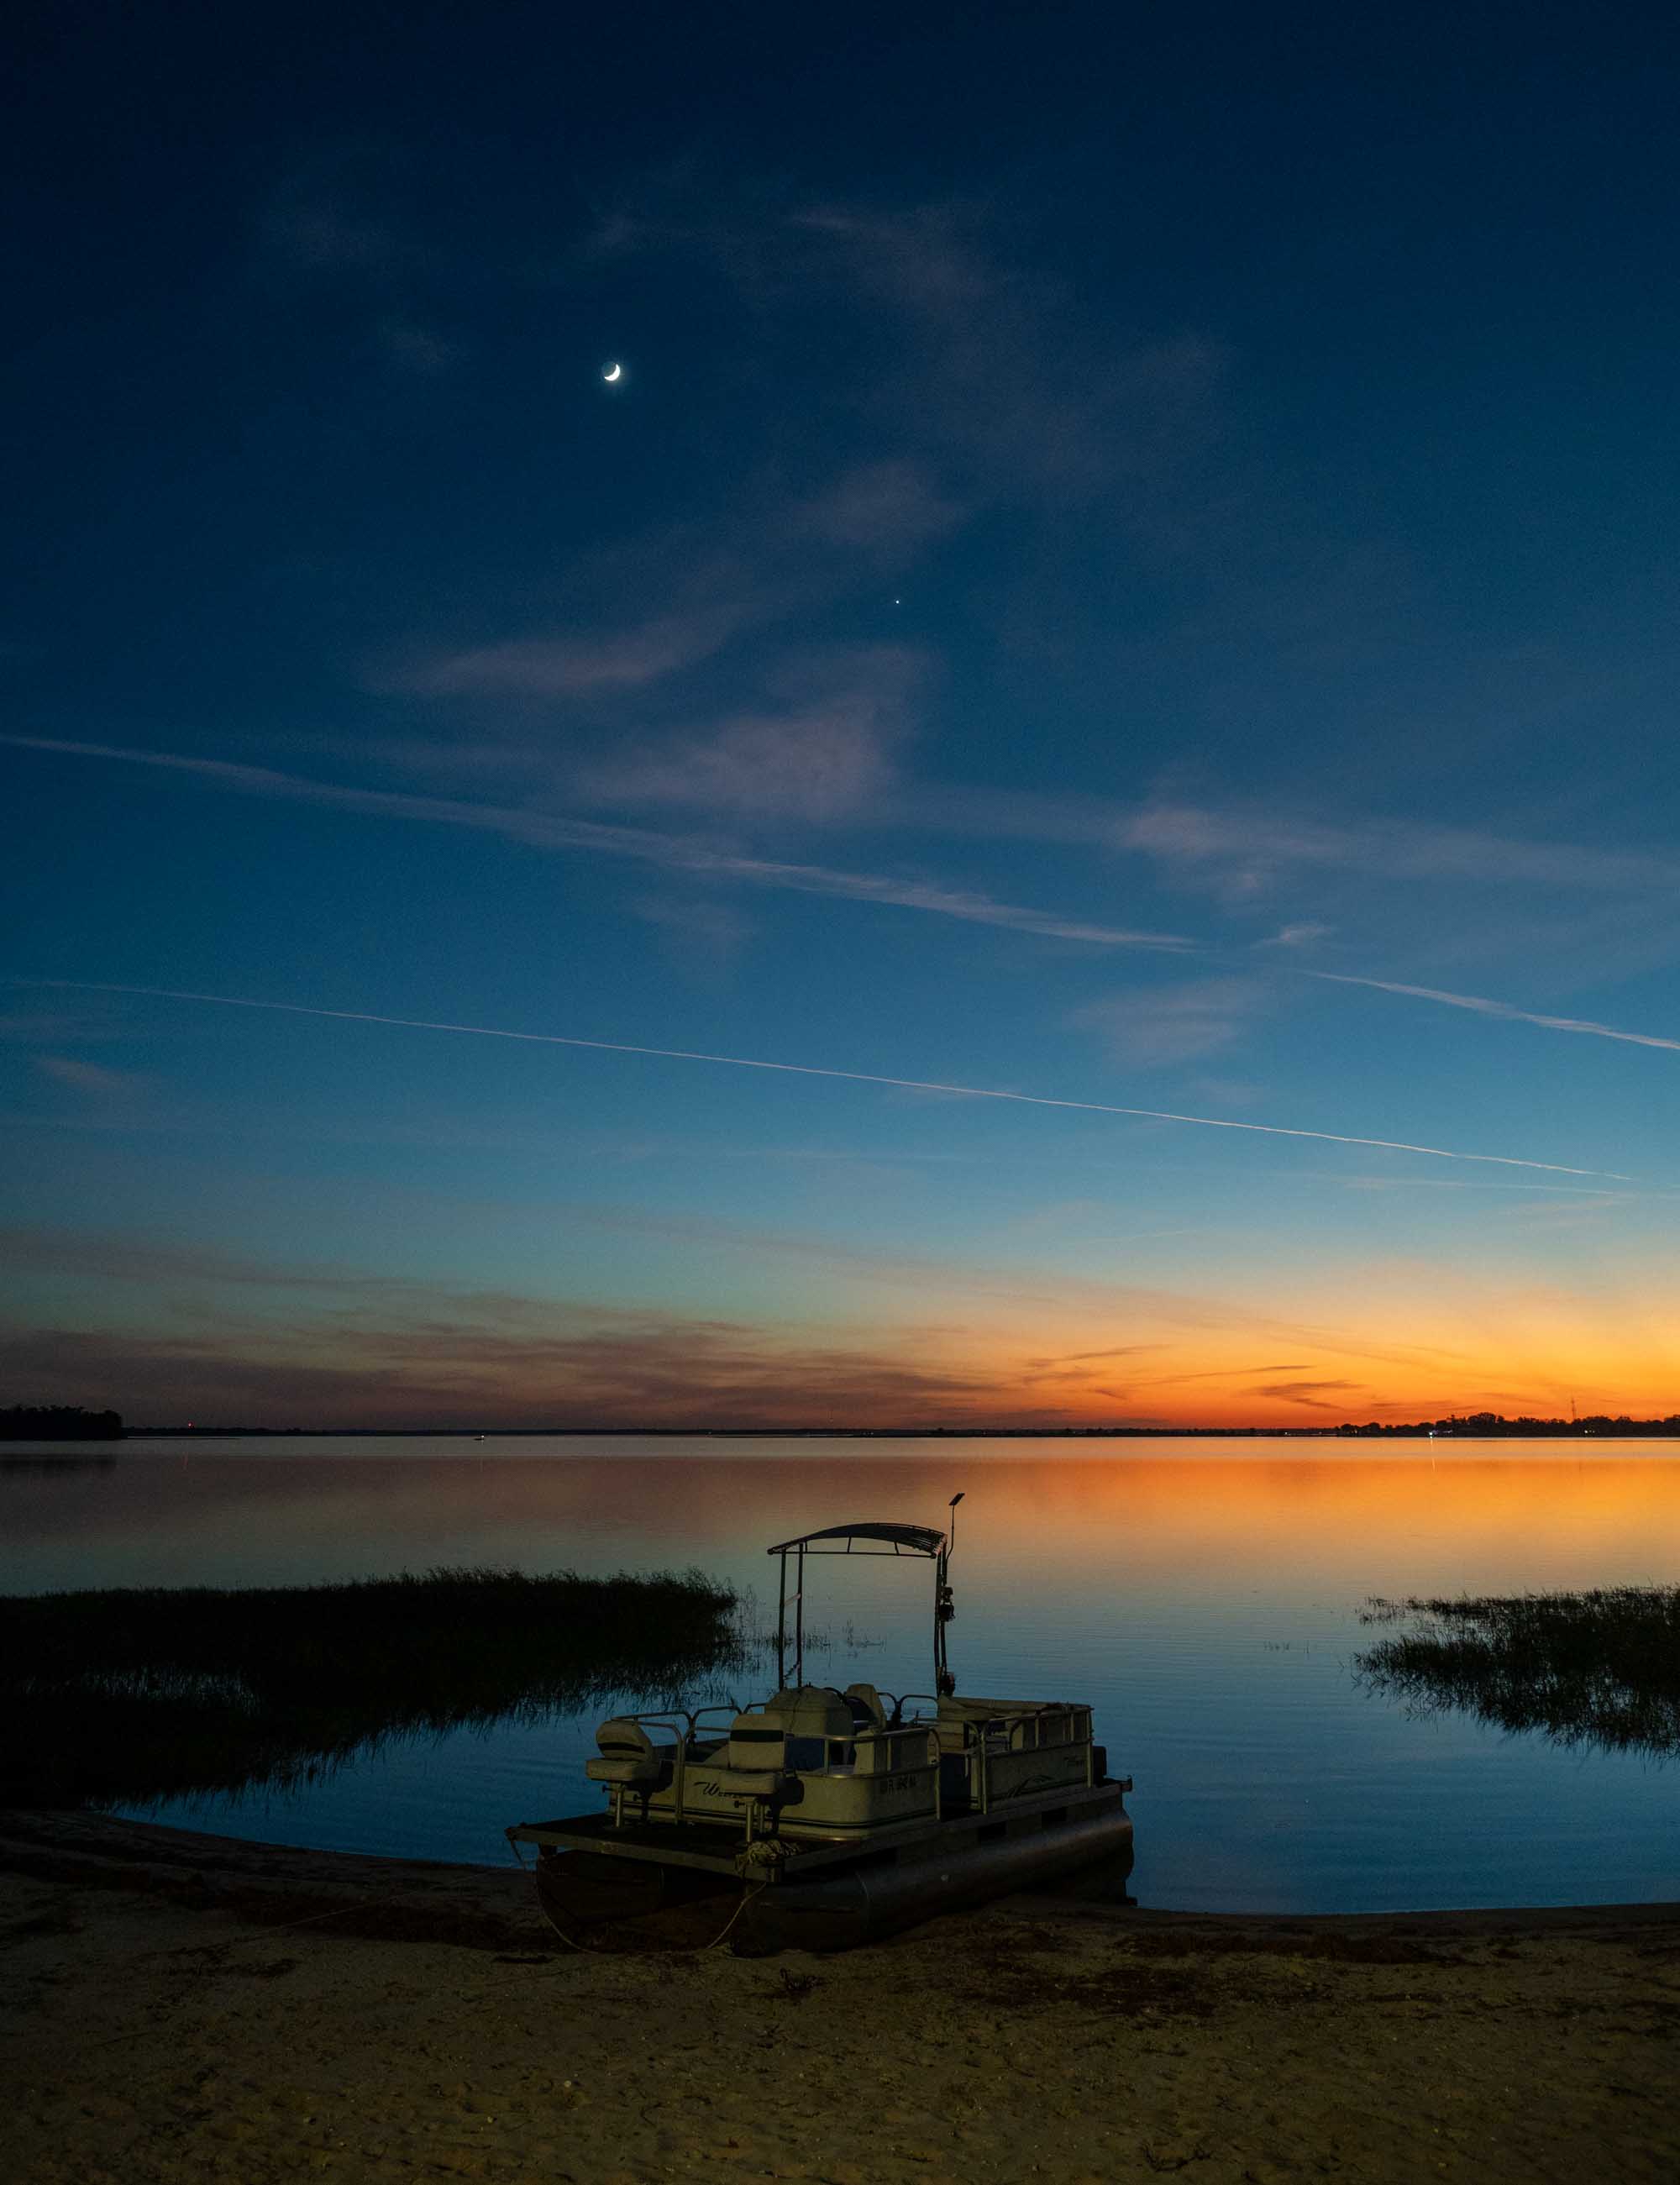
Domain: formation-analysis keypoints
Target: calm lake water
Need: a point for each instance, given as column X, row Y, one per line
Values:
column 1203, row 1596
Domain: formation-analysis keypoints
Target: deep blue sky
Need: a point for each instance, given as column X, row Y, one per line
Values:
column 1131, row 561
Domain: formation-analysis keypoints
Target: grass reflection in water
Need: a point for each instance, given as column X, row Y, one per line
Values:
column 127, row 1695
column 1599, row 1669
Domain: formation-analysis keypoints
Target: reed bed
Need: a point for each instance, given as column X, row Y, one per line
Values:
column 1598, row 1669
column 128, row 1696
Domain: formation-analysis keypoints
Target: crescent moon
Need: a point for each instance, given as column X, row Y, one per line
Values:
column 612, row 372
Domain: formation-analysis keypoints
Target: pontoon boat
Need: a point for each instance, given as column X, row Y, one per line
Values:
column 843, row 1814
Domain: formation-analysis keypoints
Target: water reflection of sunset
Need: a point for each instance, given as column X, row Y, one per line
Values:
column 1271, row 1496
column 1136, row 1509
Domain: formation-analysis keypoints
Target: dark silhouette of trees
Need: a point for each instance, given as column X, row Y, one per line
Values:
column 1492, row 1425
column 58, row 1423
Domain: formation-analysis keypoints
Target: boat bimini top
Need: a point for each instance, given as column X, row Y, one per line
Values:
column 877, row 1540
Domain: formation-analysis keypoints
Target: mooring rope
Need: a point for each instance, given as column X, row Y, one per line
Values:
column 591, row 1949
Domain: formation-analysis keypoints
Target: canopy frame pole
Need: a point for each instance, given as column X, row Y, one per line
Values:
column 782, row 1623
column 943, row 1681
column 944, row 1606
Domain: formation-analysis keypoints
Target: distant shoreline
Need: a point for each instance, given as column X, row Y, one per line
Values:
column 74, row 1422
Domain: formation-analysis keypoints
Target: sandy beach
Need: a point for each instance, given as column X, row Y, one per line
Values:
column 178, row 2007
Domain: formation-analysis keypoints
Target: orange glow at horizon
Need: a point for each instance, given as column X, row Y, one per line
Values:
column 880, row 1344
column 1396, row 1353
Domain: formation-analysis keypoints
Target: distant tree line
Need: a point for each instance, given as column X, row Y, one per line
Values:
column 1492, row 1423
column 58, row 1423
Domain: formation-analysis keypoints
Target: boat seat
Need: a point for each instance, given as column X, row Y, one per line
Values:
column 753, row 1763
column 865, row 1703
column 813, row 1712
column 757, row 1747
column 629, row 1756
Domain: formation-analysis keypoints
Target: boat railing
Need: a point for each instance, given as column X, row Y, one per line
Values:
column 683, row 1725
column 900, row 1745
column 986, row 1738
column 1057, row 1725
column 683, row 1721
column 980, row 1740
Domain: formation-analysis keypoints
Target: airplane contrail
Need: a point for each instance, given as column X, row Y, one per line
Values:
column 1507, row 1011
column 559, row 831
column 555, row 830
column 816, row 1070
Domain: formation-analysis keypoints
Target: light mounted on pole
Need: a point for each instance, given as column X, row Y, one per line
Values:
column 944, row 1607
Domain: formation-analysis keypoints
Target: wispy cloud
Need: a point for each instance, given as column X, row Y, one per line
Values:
column 773, row 557
column 704, row 937
column 566, row 666
column 1477, row 1183
column 1243, row 852
column 812, row 1069
column 1178, row 1024
column 1508, row 1011
column 1310, row 1393
column 1156, row 1028
column 1066, row 1366
column 118, row 1255
column 586, row 1370
column 190, row 1322
column 1301, row 936
column 1245, row 848
column 1224, row 1374
column 555, row 830
column 1581, row 910
column 825, row 753
column 881, row 511
column 94, row 1079
column 322, row 1345
column 150, row 1262
column 977, row 327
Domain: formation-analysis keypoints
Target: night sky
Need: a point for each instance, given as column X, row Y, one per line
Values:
column 1130, row 564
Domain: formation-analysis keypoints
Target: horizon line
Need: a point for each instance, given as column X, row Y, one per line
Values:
column 1466, row 1424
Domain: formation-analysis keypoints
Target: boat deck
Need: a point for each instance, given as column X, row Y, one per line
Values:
column 714, row 1848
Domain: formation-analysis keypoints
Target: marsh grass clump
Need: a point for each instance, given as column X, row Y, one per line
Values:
column 1598, row 1669
column 134, row 1693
